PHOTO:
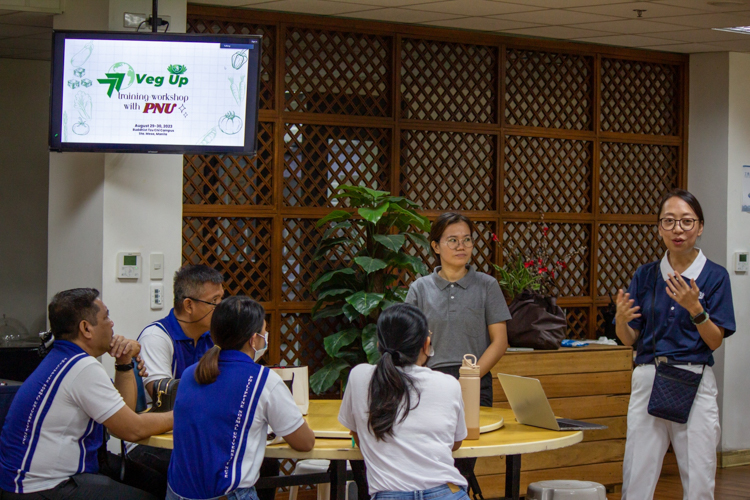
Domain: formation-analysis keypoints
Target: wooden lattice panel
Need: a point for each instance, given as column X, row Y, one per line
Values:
column 318, row 158
column 634, row 177
column 238, row 248
column 550, row 90
column 547, row 175
column 578, row 322
column 299, row 270
column 622, row 249
column 338, row 73
column 231, row 180
column 639, row 97
column 599, row 322
column 449, row 170
column 568, row 241
column 201, row 24
column 448, row 81
column 302, row 339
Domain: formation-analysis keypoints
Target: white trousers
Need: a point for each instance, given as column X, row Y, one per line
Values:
column 648, row 438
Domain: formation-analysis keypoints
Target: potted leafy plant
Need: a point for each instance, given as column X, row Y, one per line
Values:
column 375, row 233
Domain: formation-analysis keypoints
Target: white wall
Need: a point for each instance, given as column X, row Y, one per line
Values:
column 718, row 147
column 23, row 193
column 101, row 204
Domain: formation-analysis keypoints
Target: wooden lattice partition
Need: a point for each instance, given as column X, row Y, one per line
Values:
column 500, row 128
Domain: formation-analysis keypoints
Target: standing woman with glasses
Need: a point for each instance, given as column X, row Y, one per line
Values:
column 677, row 311
column 465, row 309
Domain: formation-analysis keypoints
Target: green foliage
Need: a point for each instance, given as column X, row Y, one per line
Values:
column 517, row 277
column 374, row 234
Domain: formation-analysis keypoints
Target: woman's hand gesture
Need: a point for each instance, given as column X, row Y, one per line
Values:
column 684, row 293
column 625, row 310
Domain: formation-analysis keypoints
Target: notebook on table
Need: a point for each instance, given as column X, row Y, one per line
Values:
column 531, row 407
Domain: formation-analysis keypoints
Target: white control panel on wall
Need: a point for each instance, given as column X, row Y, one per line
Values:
column 156, row 269
column 741, row 264
column 128, row 266
column 157, row 296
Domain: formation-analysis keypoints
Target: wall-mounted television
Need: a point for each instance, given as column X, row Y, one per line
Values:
column 154, row 93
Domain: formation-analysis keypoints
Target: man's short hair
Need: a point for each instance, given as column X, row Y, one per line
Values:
column 190, row 280
column 68, row 308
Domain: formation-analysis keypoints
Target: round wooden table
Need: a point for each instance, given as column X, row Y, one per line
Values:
column 501, row 436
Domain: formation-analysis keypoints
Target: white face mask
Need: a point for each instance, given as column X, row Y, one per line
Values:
column 260, row 352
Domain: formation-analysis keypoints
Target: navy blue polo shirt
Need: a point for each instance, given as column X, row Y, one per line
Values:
column 160, row 360
column 220, row 429
column 676, row 335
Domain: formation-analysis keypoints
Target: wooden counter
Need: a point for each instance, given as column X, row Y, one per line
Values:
column 587, row 383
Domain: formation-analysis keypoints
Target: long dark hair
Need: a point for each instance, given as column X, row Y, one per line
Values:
column 234, row 322
column 402, row 332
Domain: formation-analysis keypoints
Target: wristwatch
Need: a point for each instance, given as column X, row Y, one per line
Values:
column 699, row 319
column 126, row 367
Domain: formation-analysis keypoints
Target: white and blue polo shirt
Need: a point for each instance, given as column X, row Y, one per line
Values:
column 53, row 428
column 167, row 351
column 220, row 429
column 676, row 335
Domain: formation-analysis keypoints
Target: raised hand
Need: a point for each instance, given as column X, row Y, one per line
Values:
column 684, row 293
column 123, row 350
column 626, row 312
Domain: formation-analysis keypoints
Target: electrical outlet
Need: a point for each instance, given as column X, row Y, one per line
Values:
column 134, row 20
column 156, row 295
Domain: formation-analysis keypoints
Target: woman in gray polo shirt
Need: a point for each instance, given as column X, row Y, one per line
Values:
column 465, row 309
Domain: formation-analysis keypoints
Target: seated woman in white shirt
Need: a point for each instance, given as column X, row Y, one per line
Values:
column 406, row 418
column 224, row 406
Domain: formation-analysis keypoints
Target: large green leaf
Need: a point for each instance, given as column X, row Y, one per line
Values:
column 373, row 214
column 327, row 313
column 392, row 242
column 370, row 343
column 334, row 343
column 335, row 216
column 369, row 264
column 339, row 225
column 413, row 218
column 327, row 244
column 350, row 312
column 401, row 201
column 420, row 239
column 323, row 379
column 364, row 302
column 362, row 190
column 335, row 293
column 400, row 293
column 330, row 275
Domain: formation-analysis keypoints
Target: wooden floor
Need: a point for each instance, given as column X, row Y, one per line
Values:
column 731, row 484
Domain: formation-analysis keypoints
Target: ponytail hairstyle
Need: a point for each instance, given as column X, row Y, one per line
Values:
column 235, row 321
column 402, row 332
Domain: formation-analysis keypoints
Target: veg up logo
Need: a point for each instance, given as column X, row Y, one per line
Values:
column 121, row 76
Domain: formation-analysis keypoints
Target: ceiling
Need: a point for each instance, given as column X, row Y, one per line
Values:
column 667, row 25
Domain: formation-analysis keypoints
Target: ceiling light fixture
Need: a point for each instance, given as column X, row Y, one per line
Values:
column 744, row 30
column 639, row 12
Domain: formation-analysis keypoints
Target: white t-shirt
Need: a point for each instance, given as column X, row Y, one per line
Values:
column 418, row 456
column 157, row 352
column 85, row 393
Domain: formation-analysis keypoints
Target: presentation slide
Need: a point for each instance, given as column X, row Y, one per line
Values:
column 155, row 92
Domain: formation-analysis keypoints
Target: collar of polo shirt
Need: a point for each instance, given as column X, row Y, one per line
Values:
column 463, row 282
column 690, row 273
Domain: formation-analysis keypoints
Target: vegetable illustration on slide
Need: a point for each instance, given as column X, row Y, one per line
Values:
column 80, row 57
column 239, row 59
column 230, row 123
column 65, row 127
column 238, row 90
column 82, row 100
column 208, row 137
column 81, row 127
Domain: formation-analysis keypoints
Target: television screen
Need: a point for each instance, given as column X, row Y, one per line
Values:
column 156, row 93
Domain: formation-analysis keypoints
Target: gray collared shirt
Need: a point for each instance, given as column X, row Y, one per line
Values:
column 458, row 313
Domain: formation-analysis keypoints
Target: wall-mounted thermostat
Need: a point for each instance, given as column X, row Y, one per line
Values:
column 128, row 266
column 741, row 262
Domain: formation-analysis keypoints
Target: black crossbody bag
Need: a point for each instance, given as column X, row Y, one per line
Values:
column 674, row 389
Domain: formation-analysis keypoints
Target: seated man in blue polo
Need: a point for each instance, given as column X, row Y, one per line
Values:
column 171, row 344
column 51, row 443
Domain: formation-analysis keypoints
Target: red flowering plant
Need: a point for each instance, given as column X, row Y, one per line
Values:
column 535, row 269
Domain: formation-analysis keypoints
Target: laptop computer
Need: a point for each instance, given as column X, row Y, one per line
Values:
column 531, row 407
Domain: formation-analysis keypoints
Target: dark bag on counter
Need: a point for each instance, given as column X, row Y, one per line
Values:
column 163, row 393
column 537, row 321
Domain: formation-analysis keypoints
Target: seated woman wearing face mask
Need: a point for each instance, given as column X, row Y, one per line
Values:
column 224, row 406
column 406, row 418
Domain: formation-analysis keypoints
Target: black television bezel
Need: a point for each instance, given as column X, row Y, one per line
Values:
column 57, row 85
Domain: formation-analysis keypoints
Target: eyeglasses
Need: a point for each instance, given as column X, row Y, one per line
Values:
column 668, row 223
column 214, row 303
column 453, row 242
